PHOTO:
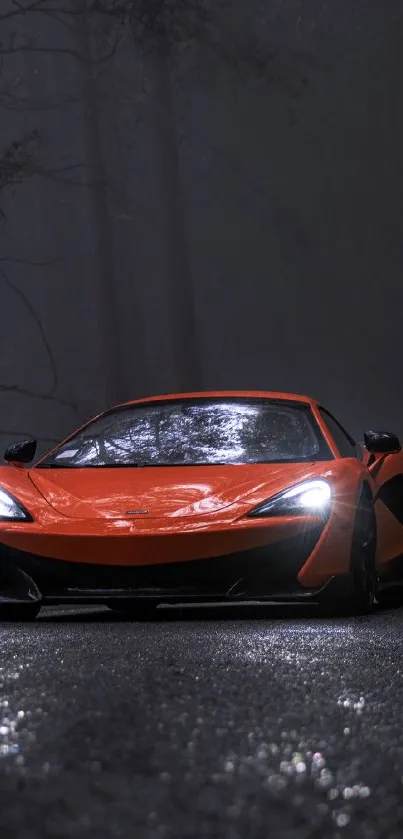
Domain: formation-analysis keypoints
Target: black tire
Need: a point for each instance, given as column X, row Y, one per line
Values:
column 360, row 595
column 135, row 610
column 19, row 611
column 362, row 563
column 391, row 597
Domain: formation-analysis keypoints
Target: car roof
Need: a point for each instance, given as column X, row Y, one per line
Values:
column 214, row 394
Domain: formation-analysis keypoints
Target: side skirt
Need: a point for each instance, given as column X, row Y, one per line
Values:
column 391, row 574
column 334, row 588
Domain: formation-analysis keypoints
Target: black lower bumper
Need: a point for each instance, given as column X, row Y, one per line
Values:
column 268, row 573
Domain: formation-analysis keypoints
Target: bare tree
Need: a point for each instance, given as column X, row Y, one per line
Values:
column 16, row 162
column 174, row 37
column 162, row 31
column 20, row 160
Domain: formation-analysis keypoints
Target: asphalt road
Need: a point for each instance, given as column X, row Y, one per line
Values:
column 225, row 724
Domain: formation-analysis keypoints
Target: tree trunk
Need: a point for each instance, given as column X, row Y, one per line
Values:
column 96, row 174
column 171, row 217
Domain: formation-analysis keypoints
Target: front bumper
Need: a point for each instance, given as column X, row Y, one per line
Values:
column 268, row 573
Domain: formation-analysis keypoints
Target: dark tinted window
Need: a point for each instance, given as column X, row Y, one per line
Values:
column 344, row 442
column 202, row 431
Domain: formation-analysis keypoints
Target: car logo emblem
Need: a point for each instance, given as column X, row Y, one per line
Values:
column 136, row 512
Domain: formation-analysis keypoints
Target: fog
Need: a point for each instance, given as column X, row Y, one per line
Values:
column 208, row 197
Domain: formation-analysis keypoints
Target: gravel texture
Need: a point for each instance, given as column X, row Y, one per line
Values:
column 225, row 723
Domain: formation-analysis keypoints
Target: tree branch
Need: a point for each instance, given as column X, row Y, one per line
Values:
column 43, row 396
column 28, row 435
column 31, row 46
column 29, row 307
column 35, row 6
column 33, row 262
column 16, row 161
column 49, row 395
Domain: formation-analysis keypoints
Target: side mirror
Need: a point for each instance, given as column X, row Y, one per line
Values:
column 381, row 442
column 22, row 452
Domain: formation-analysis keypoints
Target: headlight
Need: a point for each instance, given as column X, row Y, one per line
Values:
column 310, row 497
column 11, row 509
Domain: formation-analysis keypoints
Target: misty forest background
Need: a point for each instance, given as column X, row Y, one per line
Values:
column 199, row 195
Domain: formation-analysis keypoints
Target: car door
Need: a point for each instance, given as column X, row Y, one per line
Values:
column 386, row 472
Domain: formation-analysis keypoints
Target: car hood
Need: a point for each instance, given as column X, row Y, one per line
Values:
column 164, row 492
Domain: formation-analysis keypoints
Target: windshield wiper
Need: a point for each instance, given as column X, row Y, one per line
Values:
column 137, row 465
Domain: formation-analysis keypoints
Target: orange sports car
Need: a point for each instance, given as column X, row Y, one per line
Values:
column 225, row 496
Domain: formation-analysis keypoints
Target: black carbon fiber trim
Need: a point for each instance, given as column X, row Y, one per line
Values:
column 271, row 568
column 392, row 571
column 391, row 494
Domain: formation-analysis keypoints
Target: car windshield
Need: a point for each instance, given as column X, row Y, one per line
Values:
column 196, row 432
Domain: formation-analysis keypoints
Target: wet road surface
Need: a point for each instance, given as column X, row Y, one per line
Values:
column 219, row 723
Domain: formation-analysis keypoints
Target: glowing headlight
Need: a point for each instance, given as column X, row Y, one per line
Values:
column 11, row 509
column 309, row 497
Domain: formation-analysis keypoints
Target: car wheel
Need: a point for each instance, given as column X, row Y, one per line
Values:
column 391, row 597
column 363, row 577
column 136, row 611
column 19, row 611
column 363, row 565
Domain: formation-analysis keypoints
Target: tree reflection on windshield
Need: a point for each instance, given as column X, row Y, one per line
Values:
column 192, row 432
